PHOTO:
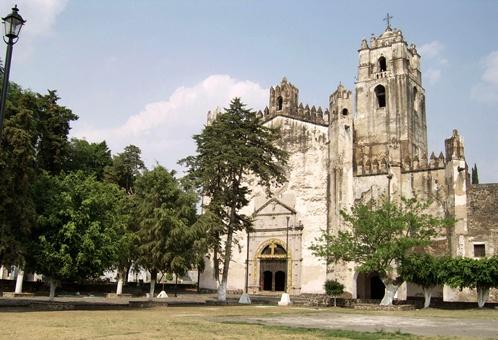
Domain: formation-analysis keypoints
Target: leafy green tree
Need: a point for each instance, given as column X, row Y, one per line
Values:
column 78, row 225
column 380, row 236
column 127, row 242
column 423, row 270
column 166, row 216
column 125, row 168
column 91, row 158
column 463, row 272
column 333, row 288
column 234, row 148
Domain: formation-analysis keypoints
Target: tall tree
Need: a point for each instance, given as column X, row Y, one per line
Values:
column 33, row 140
column 92, row 158
column 17, row 175
column 234, row 148
column 78, row 225
column 165, row 215
column 125, row 168
column 53, row 125
column 475, row 175
column 380, row 236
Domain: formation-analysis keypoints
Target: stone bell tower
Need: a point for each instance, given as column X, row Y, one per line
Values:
column 390, row 122
column 284, row 99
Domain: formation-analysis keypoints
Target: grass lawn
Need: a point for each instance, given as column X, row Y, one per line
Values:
column 185, row 323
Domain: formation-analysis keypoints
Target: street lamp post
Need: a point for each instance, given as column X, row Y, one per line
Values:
column 13, row 24
column 285, row 298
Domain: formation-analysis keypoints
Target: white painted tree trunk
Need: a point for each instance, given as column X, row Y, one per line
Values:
column 52, row 290
column 152, row 287
column 19, row 280
column 482, row 296
column 390, row 291
column 119, row 288
column 427, row 297
column 222, row 291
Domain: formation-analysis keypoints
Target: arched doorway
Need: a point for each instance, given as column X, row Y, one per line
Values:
column 273, row 268
column 369, row 286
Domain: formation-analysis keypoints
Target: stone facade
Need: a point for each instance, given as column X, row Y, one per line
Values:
column 339, row 157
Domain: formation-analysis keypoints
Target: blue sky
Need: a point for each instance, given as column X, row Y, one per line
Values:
column 146, row 72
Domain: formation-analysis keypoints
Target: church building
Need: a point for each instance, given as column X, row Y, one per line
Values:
column 339, row 156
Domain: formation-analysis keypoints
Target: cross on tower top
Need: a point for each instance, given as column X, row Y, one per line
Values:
column 387, row 19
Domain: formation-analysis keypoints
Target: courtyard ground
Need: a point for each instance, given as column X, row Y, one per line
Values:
column 246, row 322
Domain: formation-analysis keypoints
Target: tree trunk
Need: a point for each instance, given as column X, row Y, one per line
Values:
column 119, row 288
column 391, row 289
column 127, row 273
column 222, row 291
column 51, row 295
column 176, row 285
column 427, row 296
column 335, row 301
column 153, row 277
column 19, row 280
column 216, row 260
column 198, row 280
column 482, row 296
column 222, row 288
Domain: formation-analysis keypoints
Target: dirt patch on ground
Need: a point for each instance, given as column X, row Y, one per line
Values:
column 467, row 328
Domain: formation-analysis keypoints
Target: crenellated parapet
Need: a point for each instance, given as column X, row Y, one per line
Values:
column 371, row 167
column 423, row 164
column 212, row 114
column 376, row 166
column 284, row 102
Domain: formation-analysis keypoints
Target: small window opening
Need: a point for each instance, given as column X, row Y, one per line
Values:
column 479, row 250
column 345, row 112
column 380, row 93
column 280, row 102
column 382, row 64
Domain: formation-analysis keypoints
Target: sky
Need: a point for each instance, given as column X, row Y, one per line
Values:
column 146, row 72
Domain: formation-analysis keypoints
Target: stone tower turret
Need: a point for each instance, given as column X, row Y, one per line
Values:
column 340, row 154
column 390, row 100
column 340, row 170
column 284, row 99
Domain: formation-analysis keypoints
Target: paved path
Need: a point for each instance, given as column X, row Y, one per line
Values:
column 480, row 328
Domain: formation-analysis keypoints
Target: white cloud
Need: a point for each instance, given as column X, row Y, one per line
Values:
column 433, row 75
column 486, row 90
column 490, row 74
column 431, row 50
column 433, row 53
column 41, row 16
column 164, row 129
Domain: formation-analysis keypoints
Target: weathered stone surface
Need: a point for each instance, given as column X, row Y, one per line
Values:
column 339, row 157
